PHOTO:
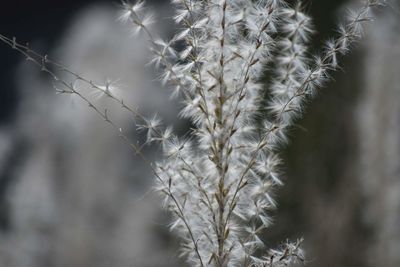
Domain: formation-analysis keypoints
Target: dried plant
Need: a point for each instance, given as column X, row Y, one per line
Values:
column 218, row 181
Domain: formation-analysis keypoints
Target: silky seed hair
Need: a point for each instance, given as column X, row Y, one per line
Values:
column 218, row 182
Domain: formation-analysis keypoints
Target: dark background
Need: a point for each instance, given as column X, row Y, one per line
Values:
column 28, row 21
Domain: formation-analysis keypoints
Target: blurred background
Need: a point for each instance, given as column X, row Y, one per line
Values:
column 70, row 189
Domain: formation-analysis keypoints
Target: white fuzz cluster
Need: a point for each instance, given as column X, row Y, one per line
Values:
column 219, row 182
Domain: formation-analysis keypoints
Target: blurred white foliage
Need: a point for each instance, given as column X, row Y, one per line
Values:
column 74, row 197
column 379, row 137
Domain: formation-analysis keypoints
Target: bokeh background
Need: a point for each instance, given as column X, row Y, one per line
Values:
column 71, row 191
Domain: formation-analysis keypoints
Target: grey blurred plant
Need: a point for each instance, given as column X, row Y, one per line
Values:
column 218, row 181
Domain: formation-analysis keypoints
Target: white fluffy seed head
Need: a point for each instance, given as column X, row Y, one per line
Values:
column 219, row 185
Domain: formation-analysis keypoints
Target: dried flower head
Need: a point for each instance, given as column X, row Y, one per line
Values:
column 219, row 182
